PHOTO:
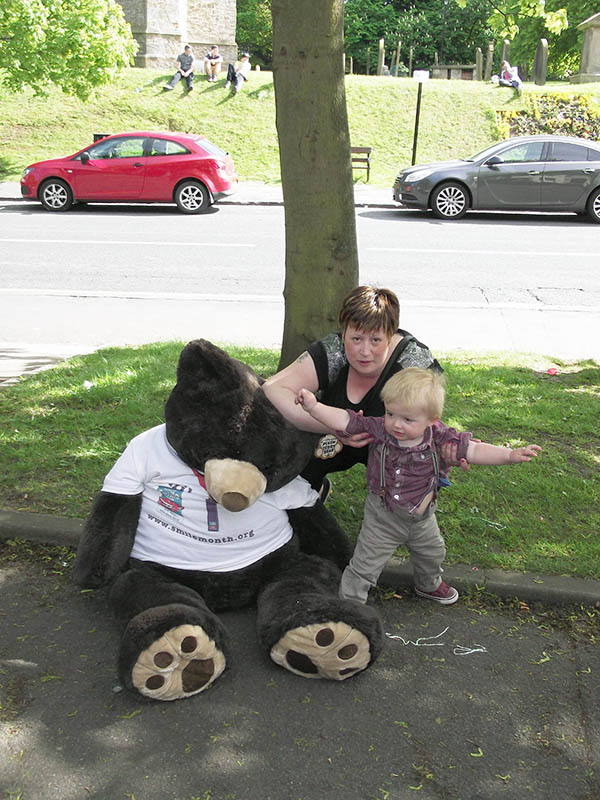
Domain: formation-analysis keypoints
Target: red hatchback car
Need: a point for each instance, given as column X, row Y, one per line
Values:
column 143, row 167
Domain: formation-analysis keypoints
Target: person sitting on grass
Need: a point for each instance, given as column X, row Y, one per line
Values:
column 237, row 74
column 185, row 70
column 212, row 63
column 404, row 463
column 509, row 76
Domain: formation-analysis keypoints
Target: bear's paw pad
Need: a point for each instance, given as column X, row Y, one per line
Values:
column 181, row 663
column 332, row 650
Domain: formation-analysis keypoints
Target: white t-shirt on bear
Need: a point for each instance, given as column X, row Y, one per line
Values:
column 181, row 526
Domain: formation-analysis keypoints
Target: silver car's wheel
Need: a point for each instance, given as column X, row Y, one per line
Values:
column 56, row 195
column 450, row 201
column 593, row 206
column 192, row 197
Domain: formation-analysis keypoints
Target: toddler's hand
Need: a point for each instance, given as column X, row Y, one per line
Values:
column 306, row 399
column 524, row 453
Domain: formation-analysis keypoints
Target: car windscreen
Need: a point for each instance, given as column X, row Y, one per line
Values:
column 209, row 147
column 483, row 154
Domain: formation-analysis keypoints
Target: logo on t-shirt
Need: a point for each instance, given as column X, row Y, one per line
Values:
column 171, row 499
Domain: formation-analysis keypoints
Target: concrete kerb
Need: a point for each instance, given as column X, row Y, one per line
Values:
column 531, row 587
column 254, row 193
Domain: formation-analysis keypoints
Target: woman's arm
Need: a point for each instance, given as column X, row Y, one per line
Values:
column 492, row 455
column 281, row 389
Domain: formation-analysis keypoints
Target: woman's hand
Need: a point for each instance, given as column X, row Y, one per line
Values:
column 450, row 455
column 356, row 439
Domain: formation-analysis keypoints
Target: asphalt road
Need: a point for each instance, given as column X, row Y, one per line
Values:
column 468, row 702
column 117, row 275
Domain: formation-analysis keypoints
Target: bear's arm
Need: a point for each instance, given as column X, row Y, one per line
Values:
column 107, row 539
column 320, row 534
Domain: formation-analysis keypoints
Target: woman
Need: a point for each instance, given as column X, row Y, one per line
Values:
column 348, row 370
column 509, row 76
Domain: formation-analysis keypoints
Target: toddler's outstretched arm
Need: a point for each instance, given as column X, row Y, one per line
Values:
column 336, row 419
column 491, row 454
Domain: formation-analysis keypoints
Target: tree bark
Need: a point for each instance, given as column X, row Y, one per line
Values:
column 321, row 254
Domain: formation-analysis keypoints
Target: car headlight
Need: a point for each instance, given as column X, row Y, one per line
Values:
column 27, row 170
column 413, row 177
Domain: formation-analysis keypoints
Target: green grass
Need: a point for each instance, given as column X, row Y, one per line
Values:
column 457, row 119
column 61, row 430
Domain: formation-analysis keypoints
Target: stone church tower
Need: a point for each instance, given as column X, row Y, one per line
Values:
column 162, row 28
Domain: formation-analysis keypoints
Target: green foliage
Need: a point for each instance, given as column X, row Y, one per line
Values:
column 365, row 22
column 525, row 22
column 254, row 30
column 563, row 114
column 564, row 44
column 452, row 29
column 74, row 44
column 507, row 15
column 429, row 27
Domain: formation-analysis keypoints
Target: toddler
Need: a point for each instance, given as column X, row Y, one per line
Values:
column 403, row 467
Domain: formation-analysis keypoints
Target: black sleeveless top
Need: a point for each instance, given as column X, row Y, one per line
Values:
column 331, row 366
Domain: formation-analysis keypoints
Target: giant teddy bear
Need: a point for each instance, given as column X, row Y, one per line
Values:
column 206, row 513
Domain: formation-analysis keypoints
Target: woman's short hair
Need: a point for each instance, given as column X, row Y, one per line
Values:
column 369, row 309
column 416, row 388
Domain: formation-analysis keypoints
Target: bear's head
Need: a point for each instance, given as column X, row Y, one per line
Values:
column 220, row 423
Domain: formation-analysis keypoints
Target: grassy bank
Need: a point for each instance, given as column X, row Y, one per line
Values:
column 457, row 119
column 61, row 430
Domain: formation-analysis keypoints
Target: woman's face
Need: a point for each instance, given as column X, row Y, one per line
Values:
column 366, row 351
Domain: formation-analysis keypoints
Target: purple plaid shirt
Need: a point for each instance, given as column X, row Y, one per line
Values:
column 410, row 472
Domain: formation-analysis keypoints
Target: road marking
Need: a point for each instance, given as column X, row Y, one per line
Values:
column 135, row 244
column 453, row 251
column 135, row 295
column 273, row 298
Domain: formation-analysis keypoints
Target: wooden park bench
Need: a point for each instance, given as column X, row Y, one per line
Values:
column 361, row 158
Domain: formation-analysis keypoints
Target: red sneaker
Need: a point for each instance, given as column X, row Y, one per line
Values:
column 443, row 594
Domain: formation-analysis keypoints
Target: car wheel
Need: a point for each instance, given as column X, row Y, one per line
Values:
column 593, row 205
column 192, row 197
column 450, row 201
column 56, row 195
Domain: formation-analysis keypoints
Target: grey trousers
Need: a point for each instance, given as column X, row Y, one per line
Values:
column 381, row 533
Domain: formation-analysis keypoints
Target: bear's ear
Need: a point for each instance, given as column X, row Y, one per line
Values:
column 205, row 373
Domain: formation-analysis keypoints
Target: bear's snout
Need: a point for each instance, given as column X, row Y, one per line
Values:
column 235, row 485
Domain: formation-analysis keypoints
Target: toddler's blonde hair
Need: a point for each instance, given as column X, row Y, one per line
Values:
column 418, row 389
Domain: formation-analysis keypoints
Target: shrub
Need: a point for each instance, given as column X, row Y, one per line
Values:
column 562, row 114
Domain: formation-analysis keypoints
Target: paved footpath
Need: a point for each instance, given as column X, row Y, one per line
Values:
column 259, row 320
column 469, row 702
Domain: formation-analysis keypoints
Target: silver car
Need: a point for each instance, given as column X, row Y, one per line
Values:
column 527, row 173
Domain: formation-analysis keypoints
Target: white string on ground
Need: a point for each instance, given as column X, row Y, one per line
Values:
column 422, row 641
column 425, row 641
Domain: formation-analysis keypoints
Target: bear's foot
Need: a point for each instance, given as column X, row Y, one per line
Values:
column 333, row 650
column 180, row 663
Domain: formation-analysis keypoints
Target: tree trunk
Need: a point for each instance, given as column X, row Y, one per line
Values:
column 321, row 258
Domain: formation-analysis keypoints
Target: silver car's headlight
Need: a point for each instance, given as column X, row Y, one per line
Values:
column 27, row 170
column 418, row 175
